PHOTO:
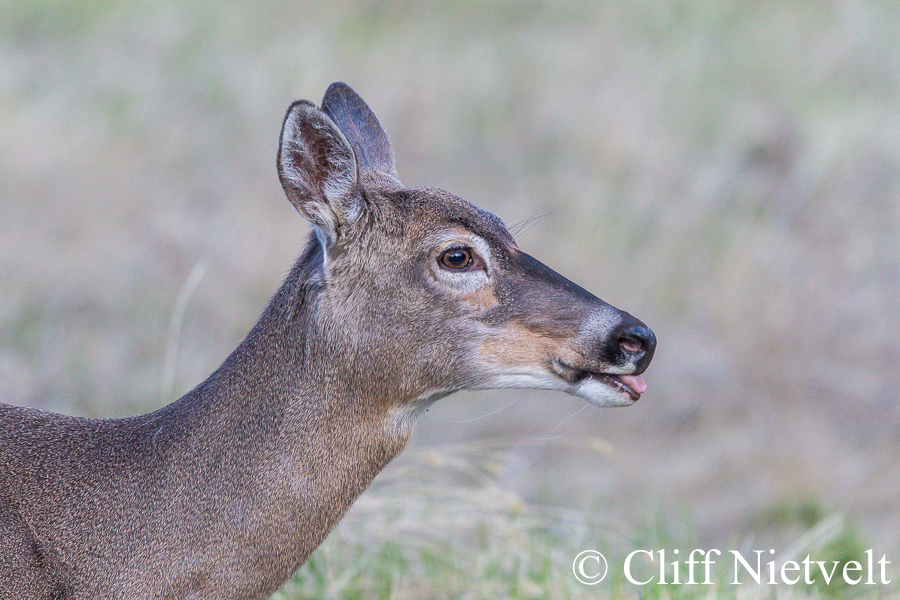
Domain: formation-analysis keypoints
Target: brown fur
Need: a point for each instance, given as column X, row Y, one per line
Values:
column 225, row 492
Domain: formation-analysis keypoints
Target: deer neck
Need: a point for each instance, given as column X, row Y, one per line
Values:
column 288, row 434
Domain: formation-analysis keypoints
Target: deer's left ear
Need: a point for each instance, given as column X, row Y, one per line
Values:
column 369, row 140
column 318, row 171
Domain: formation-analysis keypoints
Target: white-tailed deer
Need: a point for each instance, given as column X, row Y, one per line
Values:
column 401, row 297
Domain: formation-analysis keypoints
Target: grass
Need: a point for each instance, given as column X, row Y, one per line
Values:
column 441, row 524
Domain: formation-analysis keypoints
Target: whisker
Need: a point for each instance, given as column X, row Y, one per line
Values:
column 489, row 414
column 523, row 226
column 549, row 437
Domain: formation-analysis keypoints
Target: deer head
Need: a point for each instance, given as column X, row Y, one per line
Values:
column 422, row 293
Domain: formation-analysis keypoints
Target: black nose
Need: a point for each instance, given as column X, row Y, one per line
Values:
column 636, row 344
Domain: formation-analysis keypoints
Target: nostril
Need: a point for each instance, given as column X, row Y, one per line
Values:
column 631, row 345
column 637, row 341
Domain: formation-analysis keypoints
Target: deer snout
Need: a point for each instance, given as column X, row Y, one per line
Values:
column 632, row 342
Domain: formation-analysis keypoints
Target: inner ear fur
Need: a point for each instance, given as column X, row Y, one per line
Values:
column 318, row 169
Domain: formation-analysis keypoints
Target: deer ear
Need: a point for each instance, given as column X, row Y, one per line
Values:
column 318, row 170
column 359, row 124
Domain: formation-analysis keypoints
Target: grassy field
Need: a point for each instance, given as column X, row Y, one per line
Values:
column 728, row 172
column 444, row 526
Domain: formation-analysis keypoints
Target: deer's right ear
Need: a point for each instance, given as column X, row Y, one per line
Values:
column 318, row 170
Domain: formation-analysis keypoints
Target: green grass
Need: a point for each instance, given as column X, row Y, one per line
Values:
column 441, row 525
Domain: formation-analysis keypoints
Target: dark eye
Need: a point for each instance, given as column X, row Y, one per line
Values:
column 456, row 258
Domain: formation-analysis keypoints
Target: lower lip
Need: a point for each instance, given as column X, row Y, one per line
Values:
column 614, row 382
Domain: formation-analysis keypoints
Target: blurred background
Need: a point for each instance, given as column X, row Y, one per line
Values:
column 729, row 172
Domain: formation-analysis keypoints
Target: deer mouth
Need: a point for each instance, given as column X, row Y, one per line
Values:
column 633, row 385
column 630, row 385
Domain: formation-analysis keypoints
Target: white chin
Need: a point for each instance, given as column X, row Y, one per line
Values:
column 596, row 392
column 600, row 394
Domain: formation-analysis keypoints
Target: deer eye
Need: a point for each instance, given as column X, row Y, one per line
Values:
column 457, row 259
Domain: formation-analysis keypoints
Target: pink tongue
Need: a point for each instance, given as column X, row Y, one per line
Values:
column 635, row 382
